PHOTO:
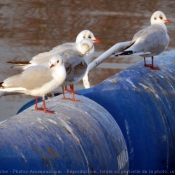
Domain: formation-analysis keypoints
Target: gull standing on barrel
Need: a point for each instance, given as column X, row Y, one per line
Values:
column 150, row 41
column 37, row 80
column 75, row 64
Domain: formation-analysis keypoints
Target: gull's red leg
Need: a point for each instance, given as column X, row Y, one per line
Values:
column 69, row 90
column 146, row 65
column 73, row 98
column 64, row 97
column 44, row 105
column 152, row 66
column 144, row 62
column 36, row 105
column 66, row 89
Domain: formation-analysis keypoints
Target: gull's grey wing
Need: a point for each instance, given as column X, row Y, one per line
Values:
column 31, row 78
column 45, row 56
column 137, row 35
column 71, row 57
column 74, row 64
column 75, row 73
column 153, row 39
column 134, row 39
column 41, row 58
column 63, row 47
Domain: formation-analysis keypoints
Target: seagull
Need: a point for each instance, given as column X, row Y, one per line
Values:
column 44, row 57
column 37, row 80
column 75, row 64
column 150, row 41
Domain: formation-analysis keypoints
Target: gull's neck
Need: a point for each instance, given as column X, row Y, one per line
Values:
column 161, row 24
column 79, row 47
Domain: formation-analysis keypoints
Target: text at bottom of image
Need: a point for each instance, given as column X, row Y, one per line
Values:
column 14, row 171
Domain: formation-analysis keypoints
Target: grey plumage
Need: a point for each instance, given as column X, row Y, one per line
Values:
column 74, row 64
column 148, row 42
column 28, row 79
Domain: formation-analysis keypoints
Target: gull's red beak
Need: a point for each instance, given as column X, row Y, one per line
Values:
column 96, row 41
column 52, row 66
column 168, row 21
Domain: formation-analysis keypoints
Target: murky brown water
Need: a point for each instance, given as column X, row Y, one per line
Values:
column 29, row 27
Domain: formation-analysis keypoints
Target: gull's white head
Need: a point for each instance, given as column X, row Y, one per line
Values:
column 56, row 61
column 56, row 65
column 159, row 17
column 86, row 34
column 86, row 46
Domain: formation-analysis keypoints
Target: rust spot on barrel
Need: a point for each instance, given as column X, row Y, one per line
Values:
column 44, row 158
column 52, row 152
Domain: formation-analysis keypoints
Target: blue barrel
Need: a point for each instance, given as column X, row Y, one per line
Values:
column 142, row 101
column 80, row 138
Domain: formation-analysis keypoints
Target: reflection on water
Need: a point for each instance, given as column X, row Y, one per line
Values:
column 31, row 27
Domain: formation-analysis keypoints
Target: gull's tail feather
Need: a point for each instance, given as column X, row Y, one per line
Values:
column 125, row 51
column 19, row 64
column 12, row 89
column 8, row 93
column 22, row 67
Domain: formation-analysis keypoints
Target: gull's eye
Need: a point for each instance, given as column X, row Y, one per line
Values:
column 155, row 18
column 160, row 17
column 89, row 36
column 58, row 61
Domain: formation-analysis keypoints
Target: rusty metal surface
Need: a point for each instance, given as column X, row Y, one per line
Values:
column 78, row 137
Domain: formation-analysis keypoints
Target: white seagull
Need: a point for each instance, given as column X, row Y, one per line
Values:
column 75, row 63
column 37, row 80
column 150, row 41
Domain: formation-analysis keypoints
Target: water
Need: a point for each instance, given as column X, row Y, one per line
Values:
column 31, row 27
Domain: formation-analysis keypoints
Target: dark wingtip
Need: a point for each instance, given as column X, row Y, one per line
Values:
column 1, row 84
column 18, row 62
column 125, row 53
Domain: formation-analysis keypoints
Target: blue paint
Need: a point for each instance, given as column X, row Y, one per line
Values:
column 80, row 138
column 142, row 101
